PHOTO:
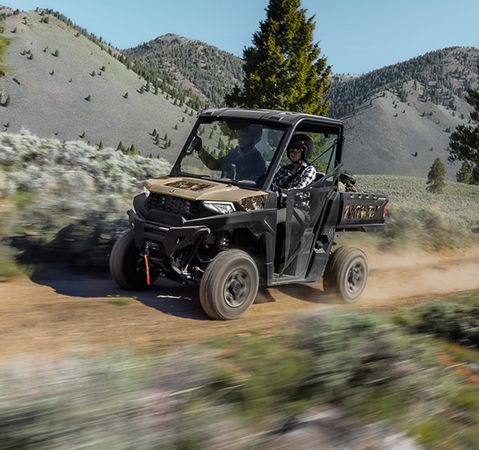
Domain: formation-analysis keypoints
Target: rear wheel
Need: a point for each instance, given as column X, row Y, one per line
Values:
column 127, row 266
column 229, row 285
column 346, row 274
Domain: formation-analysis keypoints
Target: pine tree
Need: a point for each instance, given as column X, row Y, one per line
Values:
column 284, row 69
column 464, row 142
column 464, row 175
column 120, row 147
column 435, row 177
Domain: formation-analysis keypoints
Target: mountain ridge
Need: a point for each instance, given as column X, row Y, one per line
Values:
column 208, row 70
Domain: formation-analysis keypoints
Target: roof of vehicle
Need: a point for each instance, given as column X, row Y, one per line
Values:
column 271, row 115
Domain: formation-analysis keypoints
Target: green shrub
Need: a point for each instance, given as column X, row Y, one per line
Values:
column 4, row 43
column 456, row 321
column 8, row 267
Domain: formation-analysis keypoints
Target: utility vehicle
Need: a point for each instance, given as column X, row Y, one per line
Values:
column 217, row 225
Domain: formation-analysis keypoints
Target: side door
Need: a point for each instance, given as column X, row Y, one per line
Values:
column 305, row 208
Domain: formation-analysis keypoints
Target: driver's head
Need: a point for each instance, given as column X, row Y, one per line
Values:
column 249, row 136
column 300, row 148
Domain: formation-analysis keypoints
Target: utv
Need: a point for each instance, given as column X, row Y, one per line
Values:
column 220, row 224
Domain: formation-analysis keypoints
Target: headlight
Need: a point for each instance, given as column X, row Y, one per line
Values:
column 146, row 191
column 220, row 207
column 252, row 203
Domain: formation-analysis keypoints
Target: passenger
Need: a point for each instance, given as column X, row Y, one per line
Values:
column 300, row 173
column 245, row 160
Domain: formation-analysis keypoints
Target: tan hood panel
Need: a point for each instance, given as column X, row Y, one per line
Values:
column 197, row 189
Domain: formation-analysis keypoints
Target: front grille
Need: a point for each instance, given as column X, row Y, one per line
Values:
column 174, row 205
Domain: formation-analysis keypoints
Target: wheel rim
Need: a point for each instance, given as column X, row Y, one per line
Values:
column 237, row 288
column 355, row 279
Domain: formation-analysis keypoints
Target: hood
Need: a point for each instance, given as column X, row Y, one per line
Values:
column 199, row 189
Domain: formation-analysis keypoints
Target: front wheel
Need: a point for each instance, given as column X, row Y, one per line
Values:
column 229, row 285
column 346, row 274
column 127, row 267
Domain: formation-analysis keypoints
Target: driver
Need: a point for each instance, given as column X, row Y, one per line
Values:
column 246, row 158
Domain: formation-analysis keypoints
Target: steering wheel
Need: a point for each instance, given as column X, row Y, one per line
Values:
column 228, row 170
column 195, row 145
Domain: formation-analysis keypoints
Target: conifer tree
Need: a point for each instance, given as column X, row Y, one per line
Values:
column 464, row 175
column 435, row 177
column 283, row 68
column 464, row 142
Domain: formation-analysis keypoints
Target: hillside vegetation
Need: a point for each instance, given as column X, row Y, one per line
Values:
column 46, row 184
column 207, row 69
column 66, row 84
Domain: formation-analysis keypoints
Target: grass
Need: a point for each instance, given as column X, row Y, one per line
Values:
column 416, row 218
column 457, row 205
column 4, row 43
column 8, row 267
column 120, row 301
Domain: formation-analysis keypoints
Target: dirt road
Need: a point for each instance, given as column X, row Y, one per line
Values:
column 57, row 311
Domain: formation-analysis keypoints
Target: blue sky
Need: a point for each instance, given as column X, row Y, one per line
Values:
column 355, row 35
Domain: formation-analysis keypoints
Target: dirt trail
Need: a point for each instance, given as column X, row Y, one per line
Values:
column 60, row 312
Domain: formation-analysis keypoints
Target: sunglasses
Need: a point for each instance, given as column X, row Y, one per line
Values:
column 297, row 149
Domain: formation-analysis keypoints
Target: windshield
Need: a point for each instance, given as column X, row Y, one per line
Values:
column 238, row 151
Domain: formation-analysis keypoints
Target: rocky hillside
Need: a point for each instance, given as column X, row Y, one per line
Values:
column 61, row 82
column 399, row 118
column 210, row 71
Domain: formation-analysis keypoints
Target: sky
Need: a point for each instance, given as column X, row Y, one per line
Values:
column 356, row 36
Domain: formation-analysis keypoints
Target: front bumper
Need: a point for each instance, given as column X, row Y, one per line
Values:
column 168, row 239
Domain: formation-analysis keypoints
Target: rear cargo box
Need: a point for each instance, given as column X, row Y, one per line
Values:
column 364, row 211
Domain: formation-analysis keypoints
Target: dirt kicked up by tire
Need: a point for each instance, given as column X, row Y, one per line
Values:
column 346, row 274
column 229, row 285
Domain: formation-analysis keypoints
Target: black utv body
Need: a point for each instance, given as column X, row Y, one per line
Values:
column 216, row 223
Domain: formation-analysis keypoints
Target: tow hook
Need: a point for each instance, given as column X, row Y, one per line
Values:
column 146, row 253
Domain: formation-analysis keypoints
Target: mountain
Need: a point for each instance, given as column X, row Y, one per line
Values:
column 205, row 69
column 62, row 82
column 399, row 118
